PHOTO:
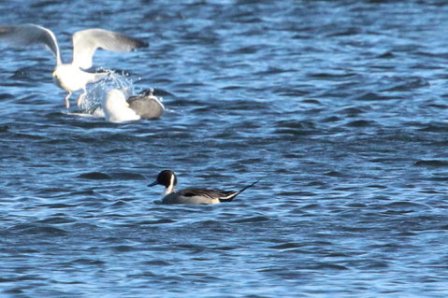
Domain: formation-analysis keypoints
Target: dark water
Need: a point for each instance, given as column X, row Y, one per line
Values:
column 340, row 107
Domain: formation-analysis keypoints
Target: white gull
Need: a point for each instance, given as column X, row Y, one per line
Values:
column 117, row 108
column 71, row 76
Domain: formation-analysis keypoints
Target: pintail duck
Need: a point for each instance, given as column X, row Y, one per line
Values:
column 168, row 179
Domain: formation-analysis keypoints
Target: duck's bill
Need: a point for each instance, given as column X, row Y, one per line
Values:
column 152, row 184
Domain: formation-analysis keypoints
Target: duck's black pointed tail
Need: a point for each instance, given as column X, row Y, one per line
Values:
column 233, row 195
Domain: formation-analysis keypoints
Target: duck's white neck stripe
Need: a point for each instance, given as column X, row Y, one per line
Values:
column 170, row 188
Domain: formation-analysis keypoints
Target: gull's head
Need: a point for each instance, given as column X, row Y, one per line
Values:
column 68, row 77
column 56, row 72
column 57, row 78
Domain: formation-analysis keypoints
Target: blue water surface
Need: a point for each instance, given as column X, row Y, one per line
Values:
column 339, row 107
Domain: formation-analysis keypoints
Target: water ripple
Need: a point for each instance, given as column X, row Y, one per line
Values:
column 339, row 106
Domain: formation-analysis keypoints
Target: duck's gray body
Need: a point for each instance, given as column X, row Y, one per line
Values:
column 199, row 196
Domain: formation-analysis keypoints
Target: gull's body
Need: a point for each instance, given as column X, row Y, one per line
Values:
column 117, row 108
column 196, row 196
column 71, row 76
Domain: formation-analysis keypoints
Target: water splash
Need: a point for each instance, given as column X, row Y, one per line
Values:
column 90, row 102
